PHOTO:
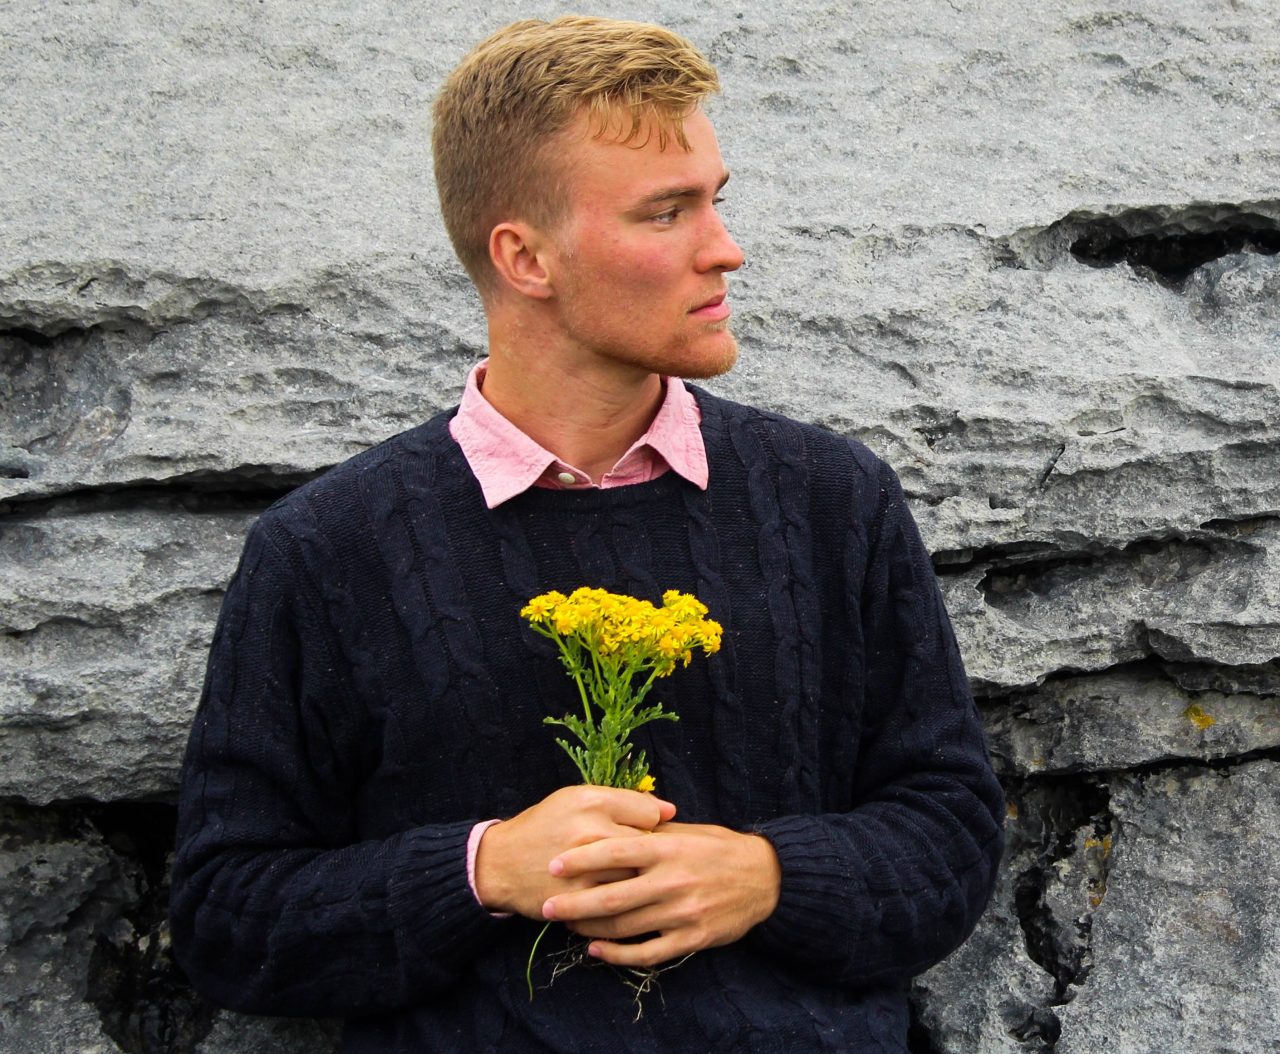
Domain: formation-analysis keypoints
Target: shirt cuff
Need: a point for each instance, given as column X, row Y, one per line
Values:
column 473, row 850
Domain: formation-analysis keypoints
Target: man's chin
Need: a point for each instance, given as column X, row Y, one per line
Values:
column 704, row 367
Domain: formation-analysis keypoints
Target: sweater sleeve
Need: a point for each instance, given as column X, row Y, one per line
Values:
column 883, row 891
column 277, row 905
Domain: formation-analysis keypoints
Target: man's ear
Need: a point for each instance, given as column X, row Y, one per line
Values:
column 519, row 256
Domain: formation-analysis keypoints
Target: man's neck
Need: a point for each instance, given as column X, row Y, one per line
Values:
column 587, row 416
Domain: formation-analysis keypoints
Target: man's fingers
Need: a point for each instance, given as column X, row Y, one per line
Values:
column 615, row 875
column 600, row 901
column 650, row 919
column 627, row 808
column 654, row 952
column 606, row 854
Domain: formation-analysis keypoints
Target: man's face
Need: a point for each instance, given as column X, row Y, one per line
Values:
column 638, row 260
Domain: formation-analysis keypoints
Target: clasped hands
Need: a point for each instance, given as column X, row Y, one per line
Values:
column 612, row 864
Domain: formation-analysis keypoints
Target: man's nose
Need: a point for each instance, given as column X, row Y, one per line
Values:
column 721, row 252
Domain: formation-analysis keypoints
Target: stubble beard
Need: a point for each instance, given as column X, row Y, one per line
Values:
column 701, row 369
column 686, row 358
column 688, row 361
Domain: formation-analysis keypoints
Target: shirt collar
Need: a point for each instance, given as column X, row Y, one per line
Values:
column 506, row 462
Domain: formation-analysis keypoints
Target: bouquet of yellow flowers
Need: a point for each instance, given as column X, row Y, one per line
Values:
column 614, row 647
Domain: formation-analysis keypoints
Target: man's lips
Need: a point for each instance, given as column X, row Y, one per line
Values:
column 713, row 310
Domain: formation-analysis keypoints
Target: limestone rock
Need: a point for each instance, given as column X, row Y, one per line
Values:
column 925, row 297
column 85, row 963
column 1000, row 991
column 1126, row 718
column 1186, row 944
column 1008, row 1007
column 121, row 378
column 1212, row 600
column 59, row 886
column 249, row 141
column 1062, row 409
column 107, row 618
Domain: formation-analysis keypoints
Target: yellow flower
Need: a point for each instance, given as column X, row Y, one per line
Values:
column 540, row 608
column 626, row 635
column 647, row 784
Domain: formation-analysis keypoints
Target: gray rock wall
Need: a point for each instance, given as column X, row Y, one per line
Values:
column 1026, row 250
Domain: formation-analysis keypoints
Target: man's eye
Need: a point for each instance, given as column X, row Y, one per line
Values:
column 668, row 216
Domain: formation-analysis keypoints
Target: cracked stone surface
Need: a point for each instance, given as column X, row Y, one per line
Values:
column 1001, row 990
column 105, row 623
column 1026, row 251
column 1186, row 944
column 132, row 378
column 996, row 1017
column 1125, row 718
column 1026, row 397
column 59, row 885
column 72, row 907
column 1212, row 599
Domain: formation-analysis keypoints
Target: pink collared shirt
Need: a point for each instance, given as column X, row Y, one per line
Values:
column 506, row 462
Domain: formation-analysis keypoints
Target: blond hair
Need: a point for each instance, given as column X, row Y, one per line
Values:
column 499, row 112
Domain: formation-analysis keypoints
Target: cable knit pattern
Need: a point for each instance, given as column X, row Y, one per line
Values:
column 372, row 693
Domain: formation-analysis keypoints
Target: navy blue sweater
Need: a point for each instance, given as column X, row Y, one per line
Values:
column 372, row 693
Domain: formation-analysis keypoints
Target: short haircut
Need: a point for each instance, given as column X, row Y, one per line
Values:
column 499, row 112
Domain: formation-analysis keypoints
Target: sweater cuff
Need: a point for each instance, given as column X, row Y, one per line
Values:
column 816, row 878
column 430, row 896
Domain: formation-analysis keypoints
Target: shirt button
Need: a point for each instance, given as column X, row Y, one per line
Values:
column 567, row 478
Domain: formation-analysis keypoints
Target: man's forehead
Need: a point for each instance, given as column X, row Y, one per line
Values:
column 652, row 151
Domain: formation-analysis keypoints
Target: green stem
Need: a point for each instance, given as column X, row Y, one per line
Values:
column 528, row 970
column 638, row 697
column 598, row 676
column 582, row 691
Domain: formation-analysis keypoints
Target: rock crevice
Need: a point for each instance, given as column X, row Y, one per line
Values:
column 1165, row 241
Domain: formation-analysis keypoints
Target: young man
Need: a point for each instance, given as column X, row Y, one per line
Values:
column 376, row 823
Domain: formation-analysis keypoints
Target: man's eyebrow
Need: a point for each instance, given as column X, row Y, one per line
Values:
column 670, row 193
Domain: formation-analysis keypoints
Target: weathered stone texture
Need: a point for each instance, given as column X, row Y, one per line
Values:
column 59, row 885
column 1140, row 915
column 1213, row 598
column 130, row 379
column 105, row 623
column 1186, row 944
column 1001, row 990
column 1026, row 251
column 1132, row 716
column 988, row 997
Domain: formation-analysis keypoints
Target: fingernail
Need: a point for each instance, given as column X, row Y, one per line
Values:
column 549, row 910
column 556, row 867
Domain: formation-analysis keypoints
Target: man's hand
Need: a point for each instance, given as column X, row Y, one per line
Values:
column 695, row 885
column 512, row 864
